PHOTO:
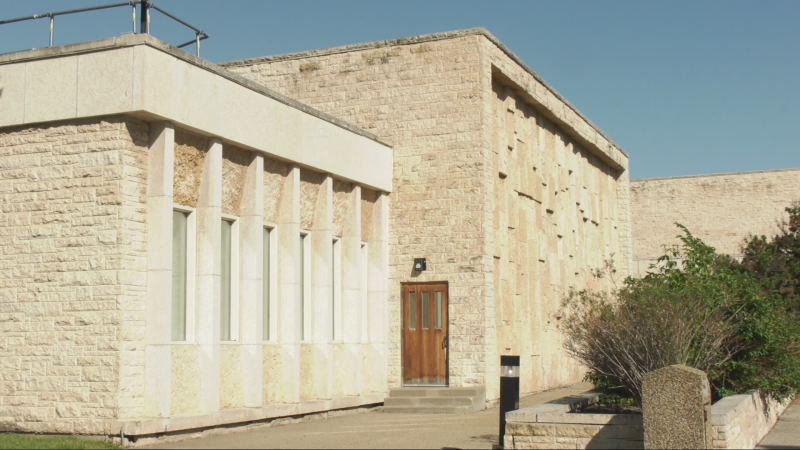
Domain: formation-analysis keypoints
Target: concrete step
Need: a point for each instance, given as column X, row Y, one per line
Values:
column 438, row 392
column 435, row 400
column 428, row 401
column 428, row 409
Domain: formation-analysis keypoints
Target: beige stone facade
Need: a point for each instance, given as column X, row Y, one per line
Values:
column 509, row 192
column 721, row 209
column 90, row 185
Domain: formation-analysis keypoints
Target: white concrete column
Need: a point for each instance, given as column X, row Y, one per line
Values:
column 160, row 168
column 209, row 269
column 288, row 229
column 378, row 293
column 322, row 290
column 251, row 300
column 352, row 322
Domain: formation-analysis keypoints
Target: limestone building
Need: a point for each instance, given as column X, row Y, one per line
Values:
column 722, row 209
column 184, row 246
column 508, row 191
column 180, row 247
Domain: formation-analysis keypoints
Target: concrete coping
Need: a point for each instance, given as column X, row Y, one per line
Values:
column 420, row 39
column 561, row 406
column 750, row 172
column 143, row 39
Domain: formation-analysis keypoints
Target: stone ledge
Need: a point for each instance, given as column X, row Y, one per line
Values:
column 741, row 421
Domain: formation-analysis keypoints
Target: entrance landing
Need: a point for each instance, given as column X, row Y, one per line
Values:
column 435, row 400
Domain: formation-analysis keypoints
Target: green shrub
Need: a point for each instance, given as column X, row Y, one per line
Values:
column 698, row 308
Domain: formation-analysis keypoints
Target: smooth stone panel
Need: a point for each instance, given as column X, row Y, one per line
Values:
column 12, row 94
column 51, row 89
column 105, row 82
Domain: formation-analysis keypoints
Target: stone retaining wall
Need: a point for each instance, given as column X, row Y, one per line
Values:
column 741, row 421
column 553, row 425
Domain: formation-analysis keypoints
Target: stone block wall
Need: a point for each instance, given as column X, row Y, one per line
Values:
column 432, row 97
column 721, row 209
column 555, row 224
column 741, row 421
column 73, row 273
column 426, row 100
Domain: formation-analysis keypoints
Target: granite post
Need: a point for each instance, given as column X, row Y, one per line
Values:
column 676, row 402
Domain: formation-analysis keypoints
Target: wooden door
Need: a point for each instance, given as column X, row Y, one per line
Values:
column 425, row 339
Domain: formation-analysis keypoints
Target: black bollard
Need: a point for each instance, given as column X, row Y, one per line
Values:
column 509, row 390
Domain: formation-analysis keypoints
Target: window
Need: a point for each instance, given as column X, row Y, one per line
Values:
column 425, row 311
column 412, row 310
column 179, row 272
column 305, row 288
column 266, row 284
column 364, row 260
column 225, row 297
column 336, row 274
column 438, row 310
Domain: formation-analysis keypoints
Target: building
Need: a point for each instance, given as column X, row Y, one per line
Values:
column 510, row 194
column 180, row 247
column 721, row 209
column 184, row 246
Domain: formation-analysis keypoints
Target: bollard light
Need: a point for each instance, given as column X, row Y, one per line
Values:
column 509, row 390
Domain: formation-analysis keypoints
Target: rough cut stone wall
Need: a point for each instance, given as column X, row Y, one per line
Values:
column 431, row 97
column 555, row 221
column 426, row 100
column 72, row 271
column 721, row 209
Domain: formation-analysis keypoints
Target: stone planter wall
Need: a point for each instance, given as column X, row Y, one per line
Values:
column 552, row 425
column 741, row 421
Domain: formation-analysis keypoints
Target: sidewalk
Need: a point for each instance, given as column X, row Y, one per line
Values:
column 375, row 429
column 786, row 432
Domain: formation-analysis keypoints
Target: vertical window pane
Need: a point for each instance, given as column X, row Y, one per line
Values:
column 179, row 220
column 333, row 290
column 225, row 298
column 302, row 286
column 438, row 310
column 412, row 310
column 265, row 314
column 425, row 311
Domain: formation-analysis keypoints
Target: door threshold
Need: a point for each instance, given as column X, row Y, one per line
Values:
column 425, row 385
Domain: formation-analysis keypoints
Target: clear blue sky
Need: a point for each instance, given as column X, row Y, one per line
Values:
column 684, row 87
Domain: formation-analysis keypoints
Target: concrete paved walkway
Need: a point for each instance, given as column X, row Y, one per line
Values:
column 786, row 432
column 376, row 429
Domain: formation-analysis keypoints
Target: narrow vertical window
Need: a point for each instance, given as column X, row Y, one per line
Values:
column 265, row 296
column 364, row 294
column 225, row 297
column 302, row 298
column 179, row 242
column 333, row 291
column 438, row 310
column 425, row 311
column 412, row 310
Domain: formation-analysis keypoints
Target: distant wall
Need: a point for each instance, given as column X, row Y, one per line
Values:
column 721, row 209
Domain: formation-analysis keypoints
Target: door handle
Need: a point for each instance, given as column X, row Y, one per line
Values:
column 444, row 342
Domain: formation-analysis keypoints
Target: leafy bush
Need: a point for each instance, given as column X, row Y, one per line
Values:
column 698, row 308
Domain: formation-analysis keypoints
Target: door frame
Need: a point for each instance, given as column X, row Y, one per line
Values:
column 403, row 331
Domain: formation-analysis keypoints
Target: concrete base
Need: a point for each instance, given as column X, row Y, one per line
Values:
column 228, row 417
column 436, row 400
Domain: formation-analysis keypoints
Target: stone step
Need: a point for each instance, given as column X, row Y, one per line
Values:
column 438, row 392
column 429, row 401
column 428, row 409
column 435, row 400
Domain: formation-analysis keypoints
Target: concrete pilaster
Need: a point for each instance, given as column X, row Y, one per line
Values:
column 378, row 294
column 251, row 242
column 322, row 291
column 351, row 294
column 209, row 269
column 160, row 169
column 288, row 229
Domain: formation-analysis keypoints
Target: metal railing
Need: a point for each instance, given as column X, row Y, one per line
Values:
column 144, row 27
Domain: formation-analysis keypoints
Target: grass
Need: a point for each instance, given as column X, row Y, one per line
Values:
column 11, row 440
